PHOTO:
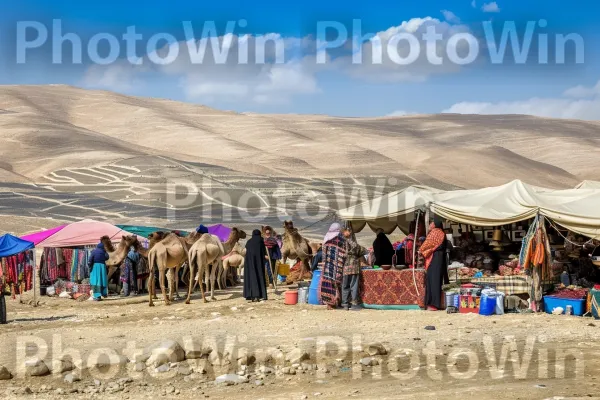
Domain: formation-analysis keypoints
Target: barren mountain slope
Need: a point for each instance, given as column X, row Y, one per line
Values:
column 127, row 150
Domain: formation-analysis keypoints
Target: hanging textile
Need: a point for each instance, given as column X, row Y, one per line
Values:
column 53, row 265
column 16, row 272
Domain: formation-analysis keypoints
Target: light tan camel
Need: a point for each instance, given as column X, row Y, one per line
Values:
column 169, row 253
column 295, row 246
column 207, row 250
column 235, row 259
column 228, row 246
column 117, row 255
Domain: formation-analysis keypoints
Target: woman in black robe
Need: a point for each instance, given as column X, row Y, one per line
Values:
column 383, row 249
column 434, row 251
column 255, row 286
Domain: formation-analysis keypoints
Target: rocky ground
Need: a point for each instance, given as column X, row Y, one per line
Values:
column 121, row 348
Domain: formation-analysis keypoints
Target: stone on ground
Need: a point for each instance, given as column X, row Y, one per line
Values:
column 36, row 367
column 164, row 352
column 296, row 356
column 230, row 379
column 376, row 349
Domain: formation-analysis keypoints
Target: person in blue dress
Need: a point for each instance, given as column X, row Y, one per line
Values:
column 98, row 274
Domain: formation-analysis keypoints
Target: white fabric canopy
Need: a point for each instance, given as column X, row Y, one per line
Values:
column 575, row 209
column 588, row 185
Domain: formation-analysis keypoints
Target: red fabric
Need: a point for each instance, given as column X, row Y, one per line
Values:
column 380, row 287
column 435, row 238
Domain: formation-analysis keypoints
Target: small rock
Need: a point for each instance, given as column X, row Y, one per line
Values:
column 4, row 374
column 266, row 370
column 317, row 394
column 59, row 391
column 177, row 392
column 124, row 381
column 369, row 361
column 215, row 314
column 139, row 367
column 25, row 390
column 194, row 350
column 591, row 324
column 296, row 356
column 231, row 379
column 234, row 308
column 62, row 365
column 288, row 371
column 169, row 390
column 540, row 386
column 259, row 383
column 163, row 368
column 304, row 397
column 97, row 382
column 164, row 352
column 36, row 367
column 376, row 349
column 71, row 378
column 246, row 360
column 184, row 370
column 430, row 328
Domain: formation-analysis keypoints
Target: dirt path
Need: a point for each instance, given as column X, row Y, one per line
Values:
column 555, row 355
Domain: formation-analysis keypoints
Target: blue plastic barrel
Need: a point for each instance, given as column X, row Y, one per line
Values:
column 313, row 290
column 487, row 306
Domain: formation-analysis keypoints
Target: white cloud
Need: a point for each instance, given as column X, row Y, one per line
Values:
column 420, row 69
column 474, row 4
column 289, row 68
column 579, row 102
column 490, row 7
column 581, row 91
column 401, row 113
column 450, row 17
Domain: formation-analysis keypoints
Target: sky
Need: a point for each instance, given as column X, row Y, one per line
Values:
column 281, row 59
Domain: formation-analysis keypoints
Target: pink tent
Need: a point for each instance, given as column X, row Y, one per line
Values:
column 41, row 236
column 82, row 233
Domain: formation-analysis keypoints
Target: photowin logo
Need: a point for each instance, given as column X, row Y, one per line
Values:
column 428, row 41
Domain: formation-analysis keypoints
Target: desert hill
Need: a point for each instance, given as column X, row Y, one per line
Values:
column 101, row 154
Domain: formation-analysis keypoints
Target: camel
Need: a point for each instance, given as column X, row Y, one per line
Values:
column 207, row 250
column 116, row 256
column 235, row 259
column 295, row 246
column 170, row 253
column 228, row 246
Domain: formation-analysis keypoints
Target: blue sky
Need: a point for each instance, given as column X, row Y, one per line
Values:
column 299, row 84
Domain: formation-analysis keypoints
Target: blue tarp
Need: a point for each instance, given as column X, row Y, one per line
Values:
column 11, row 245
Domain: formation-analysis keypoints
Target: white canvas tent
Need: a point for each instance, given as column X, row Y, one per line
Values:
column 588, row 185
column 575, row 209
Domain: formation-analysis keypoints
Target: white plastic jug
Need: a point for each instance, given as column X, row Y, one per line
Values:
column 499, row 303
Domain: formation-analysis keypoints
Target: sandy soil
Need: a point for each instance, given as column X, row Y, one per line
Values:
column 115, row 322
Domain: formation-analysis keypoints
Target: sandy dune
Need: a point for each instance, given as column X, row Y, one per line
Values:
column 125, row 150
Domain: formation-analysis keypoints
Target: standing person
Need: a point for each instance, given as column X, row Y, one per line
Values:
column 98, row 273
column 128, row 272
column 317, row 259
column 383, row 249
column 334, row 258
column 351, row 278
column 255, row 286
column 433, row 251
column 274, row 252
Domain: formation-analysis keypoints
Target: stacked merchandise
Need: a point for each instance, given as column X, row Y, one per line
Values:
column 16, row 272
column 511, row 267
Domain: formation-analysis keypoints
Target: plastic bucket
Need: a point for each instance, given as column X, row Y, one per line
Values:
column 302, row 295
column 291, row 297
column 487, row 305
column 313, row 291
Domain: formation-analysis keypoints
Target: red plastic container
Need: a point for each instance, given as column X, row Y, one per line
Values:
column 291, row 297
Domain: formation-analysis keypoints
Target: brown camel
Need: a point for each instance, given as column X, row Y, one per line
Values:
column 228, row 246
column 207, row 250
column 295, row 246
column 169, row 253
column 117, row 255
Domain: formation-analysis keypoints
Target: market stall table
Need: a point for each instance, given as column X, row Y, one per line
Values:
column 509, row 285
column 393, row 289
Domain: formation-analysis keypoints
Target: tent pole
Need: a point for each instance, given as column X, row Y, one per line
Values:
column 35, row 272
column 427, row 219
column 414, row 252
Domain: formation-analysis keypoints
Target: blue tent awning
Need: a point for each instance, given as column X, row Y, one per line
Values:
column 11, row 245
